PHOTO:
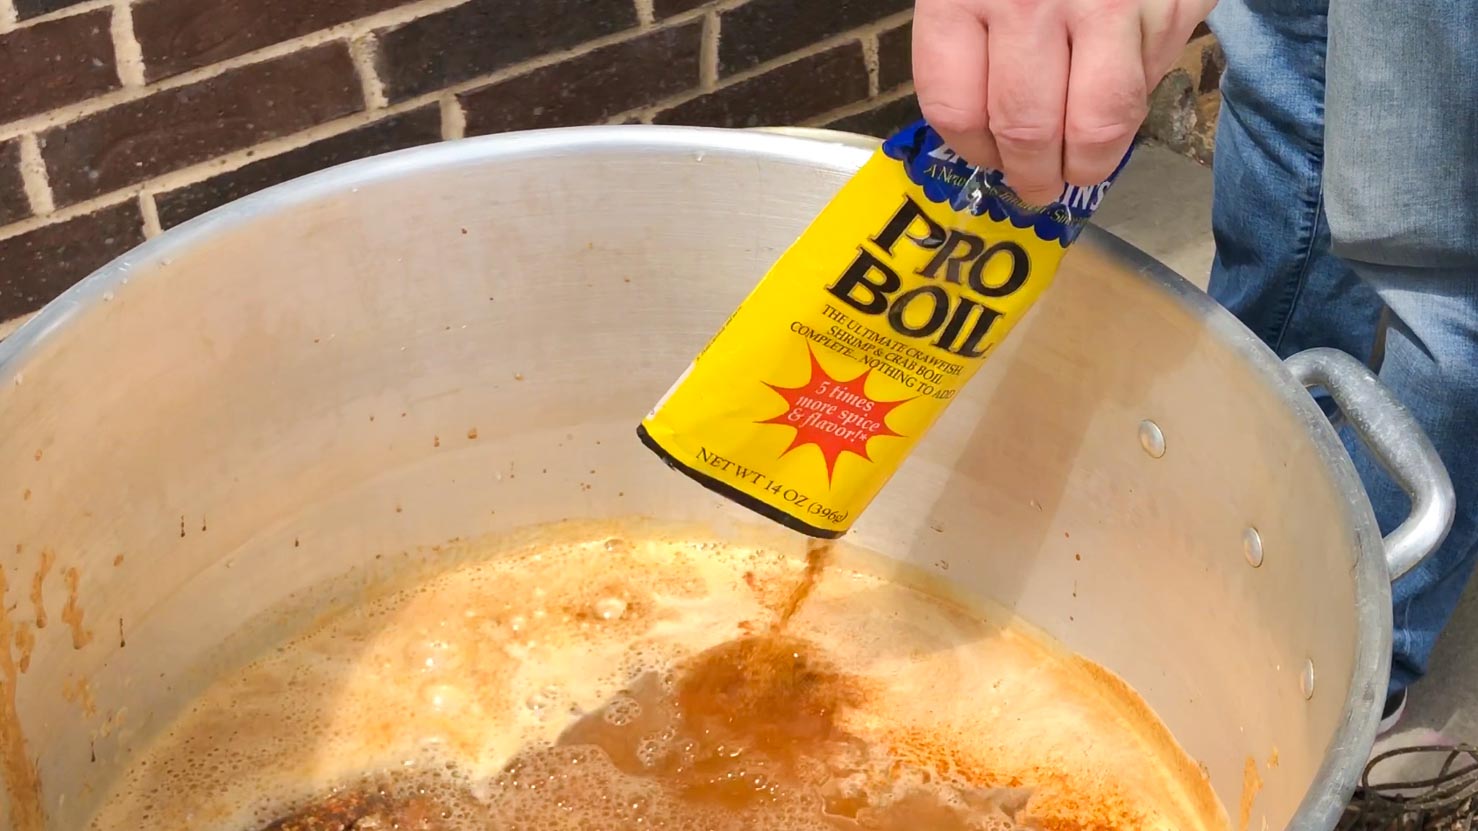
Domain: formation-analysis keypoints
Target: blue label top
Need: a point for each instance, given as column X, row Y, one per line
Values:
column 948, row 179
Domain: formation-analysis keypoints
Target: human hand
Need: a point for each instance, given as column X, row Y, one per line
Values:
column 1047, row 91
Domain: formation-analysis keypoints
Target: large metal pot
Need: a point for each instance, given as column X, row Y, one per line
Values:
column 246, row 406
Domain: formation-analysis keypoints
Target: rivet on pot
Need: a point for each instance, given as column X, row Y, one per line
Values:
column 1151, row 438
column 1252, row 546
column 1306, row 679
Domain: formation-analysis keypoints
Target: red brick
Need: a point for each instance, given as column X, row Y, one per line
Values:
column 420, row 126
column 761, row 30
column 882, row 120
column 52, row 64
column 668, row 8
column 895, row 57
column 177, row 35
column 592, row 87
column 26, row 9
column 38, row 265
column 13, row 202
column 175, row 128
column 483, row 36
column 784, row 95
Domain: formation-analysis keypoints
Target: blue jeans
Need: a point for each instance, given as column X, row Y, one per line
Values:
column 1346, row 215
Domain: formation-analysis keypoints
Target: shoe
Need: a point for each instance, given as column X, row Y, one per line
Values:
column 1391, row 715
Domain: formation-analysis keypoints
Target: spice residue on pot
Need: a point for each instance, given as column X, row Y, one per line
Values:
column 18, row 769
column 72, row 613
column 1251, row 787
column 38, row 600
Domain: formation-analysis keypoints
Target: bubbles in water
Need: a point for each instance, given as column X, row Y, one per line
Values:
column 610, row 608
column 543, row 701
column 447, row 675
column 444, row 698
column 622, row 710
column 650, row 751
column 433, row 655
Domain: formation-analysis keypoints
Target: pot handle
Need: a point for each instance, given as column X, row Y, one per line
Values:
column 1396, row 441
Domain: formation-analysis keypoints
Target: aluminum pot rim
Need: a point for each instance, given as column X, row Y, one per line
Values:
column 1348, row 750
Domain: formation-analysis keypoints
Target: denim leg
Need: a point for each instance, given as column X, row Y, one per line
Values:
column 1402, row 133
column 1273, row 266
column 1401, row 175
column 1431, row 364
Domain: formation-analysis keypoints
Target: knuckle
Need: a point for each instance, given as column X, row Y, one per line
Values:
column 1021, row 123
column 1026, row 136
column 953, row 119
column 1016, row 8
column 1097, row 10
column 1102, row 133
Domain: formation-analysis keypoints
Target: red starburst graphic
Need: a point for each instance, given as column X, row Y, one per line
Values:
column 836, row 416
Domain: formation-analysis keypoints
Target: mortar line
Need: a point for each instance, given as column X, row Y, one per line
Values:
column 646, row 14
column 128, row 55
column 898, row 93
column 362, row 50
column 8, row 16
column 338, row 33
column 33, row 176
column 150, row 211
column 850, row 36
column 240, row 158
column 621, row 117
column 453, row 119
column 8, row 327
column 870, row 60
column 708, row 53
column 226, row 163
column 69, row 11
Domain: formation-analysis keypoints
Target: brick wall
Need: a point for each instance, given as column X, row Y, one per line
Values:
column 122, row 118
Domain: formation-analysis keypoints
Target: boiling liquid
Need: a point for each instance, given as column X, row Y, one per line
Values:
column 642, row 683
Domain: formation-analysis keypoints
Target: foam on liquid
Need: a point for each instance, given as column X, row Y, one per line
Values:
column 632, row 682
